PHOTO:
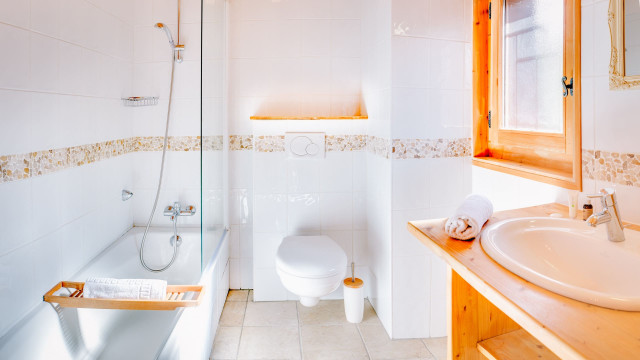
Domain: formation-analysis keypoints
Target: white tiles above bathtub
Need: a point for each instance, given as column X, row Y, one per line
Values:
column 426, row 18
column 49, row 234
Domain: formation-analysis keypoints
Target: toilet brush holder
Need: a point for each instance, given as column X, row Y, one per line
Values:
column 353, row 299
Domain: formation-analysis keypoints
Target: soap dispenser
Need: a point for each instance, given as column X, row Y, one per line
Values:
column 587, row 210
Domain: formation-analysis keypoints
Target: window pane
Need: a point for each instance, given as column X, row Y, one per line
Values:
column 533, row 65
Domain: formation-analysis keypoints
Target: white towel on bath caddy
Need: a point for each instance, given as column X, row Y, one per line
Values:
column 469, row 217
column 136, row 289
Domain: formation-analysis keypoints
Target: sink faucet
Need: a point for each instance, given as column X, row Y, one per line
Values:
column 610, row 215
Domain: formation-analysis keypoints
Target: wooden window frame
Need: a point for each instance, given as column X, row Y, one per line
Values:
column 550, row 158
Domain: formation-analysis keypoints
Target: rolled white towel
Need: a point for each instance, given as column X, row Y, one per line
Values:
column 137, row 289
column 469, row 217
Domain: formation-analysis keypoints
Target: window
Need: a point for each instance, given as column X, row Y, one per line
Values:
column 526, row 122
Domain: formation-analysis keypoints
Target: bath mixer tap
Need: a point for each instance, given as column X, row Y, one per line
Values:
column 609, row 215
column 177, row 210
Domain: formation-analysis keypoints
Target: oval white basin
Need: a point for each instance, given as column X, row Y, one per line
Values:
column 569, row 258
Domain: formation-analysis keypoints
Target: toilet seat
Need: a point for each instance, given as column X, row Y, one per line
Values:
column 311, row 257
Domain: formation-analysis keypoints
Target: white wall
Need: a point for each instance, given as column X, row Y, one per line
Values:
column 151, row 77
column 376, row 98
column 241, row 219
column 66, row 65
column 290, row 58
column 306, row 197
column 431, row 99
column 293, row 58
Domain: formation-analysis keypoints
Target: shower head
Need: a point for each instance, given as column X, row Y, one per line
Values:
column 162, row 26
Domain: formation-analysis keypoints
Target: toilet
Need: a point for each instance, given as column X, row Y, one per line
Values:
column 310, row 266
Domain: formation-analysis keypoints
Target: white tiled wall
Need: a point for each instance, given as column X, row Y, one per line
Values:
column 376, row 99
column 151, row 73
column 151, row 77
column 66, row 65
column 293, row 58
column 306, row 197
column 431, row 99
column 241, row 219
column 290, row 58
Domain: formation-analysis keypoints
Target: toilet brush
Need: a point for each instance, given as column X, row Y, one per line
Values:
column 353, row 297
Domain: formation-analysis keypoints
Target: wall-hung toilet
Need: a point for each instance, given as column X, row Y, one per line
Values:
column 310, row 266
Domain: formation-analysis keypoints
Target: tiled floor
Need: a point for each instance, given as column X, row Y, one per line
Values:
column 288, row 330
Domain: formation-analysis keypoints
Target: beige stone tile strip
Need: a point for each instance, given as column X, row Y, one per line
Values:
column 613, row 167
column 38, row 163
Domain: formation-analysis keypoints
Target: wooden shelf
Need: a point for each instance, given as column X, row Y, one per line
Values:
column 174, row 299
column 357, row 117
column 544, row 174
column 569, row 328
column 514, row 345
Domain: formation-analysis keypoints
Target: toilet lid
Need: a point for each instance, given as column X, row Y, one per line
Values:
column 310, row 256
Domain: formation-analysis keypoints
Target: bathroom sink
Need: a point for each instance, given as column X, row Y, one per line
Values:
column 569, row 258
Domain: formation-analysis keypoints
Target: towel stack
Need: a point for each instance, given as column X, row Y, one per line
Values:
column 468, row 219
column 136, row 289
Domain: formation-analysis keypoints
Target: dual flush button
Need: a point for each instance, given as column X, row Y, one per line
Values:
column 305, row 145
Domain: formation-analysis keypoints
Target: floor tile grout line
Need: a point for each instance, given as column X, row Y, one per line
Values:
column 242, row 328
column 299, row 331
column 429, row 350
column 366, row 348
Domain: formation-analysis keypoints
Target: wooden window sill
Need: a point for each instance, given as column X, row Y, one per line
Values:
column 357, row 117
column 528, row 171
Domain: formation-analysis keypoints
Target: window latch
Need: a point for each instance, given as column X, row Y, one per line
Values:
column 489, row 118
column 567, row 88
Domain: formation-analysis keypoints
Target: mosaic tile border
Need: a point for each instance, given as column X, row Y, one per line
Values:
column 346, row 142
column 403, row 149
column 269, row 143
column 240, row 142
column 613, row 167
column 276, row 143
column 379, row 146
column 399, row 149
column 213, row 143
column 22, row 166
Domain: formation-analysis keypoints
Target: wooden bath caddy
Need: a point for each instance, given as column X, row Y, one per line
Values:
column 173, row 299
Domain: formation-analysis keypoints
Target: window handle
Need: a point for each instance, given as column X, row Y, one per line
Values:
column 567, row 88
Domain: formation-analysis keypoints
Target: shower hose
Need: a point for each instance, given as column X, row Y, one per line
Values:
column 155, row 202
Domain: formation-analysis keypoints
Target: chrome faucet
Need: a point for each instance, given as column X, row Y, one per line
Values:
column 610, row 215
column 176, row 210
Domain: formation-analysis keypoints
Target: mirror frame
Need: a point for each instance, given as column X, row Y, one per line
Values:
column 617, row 78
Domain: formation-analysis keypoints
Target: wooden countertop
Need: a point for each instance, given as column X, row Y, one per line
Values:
column 570, row 328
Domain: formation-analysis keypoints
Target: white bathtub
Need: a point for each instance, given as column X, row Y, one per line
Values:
column 51, row 332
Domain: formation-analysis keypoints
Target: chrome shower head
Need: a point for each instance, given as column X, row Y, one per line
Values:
column 162, row 26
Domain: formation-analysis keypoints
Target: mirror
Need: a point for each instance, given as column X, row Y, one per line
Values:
column 632, row 38
column 624, row 23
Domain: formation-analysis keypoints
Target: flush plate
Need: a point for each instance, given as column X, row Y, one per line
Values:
column 305, row 145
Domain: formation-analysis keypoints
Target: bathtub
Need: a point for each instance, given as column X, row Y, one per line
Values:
column 51, row 332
